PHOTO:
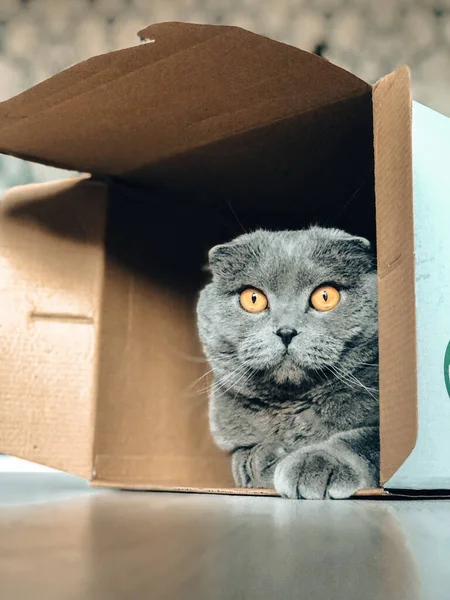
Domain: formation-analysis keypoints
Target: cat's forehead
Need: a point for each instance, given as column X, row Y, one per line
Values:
column 292, row 248
column 283, row 259
column 279, row 259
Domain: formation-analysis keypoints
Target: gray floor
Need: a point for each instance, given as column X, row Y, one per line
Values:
column 60, row 539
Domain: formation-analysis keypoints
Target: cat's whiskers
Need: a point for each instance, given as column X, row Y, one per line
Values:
column 319, row 371
column 344, row 381
column 241, row 372
column 247, row 371
column 341, row 375
column 248, row 376
column 364, row 364
column 371, row 391
column 353, row 377
column 351, row 381
column 233, row 212
column 210, row 387
column 192, row 385
column 241, row 369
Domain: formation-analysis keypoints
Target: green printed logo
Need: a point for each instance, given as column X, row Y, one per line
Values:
column 447, row 369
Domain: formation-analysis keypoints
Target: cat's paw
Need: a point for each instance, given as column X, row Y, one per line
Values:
column 255, row 467
column 320, row 473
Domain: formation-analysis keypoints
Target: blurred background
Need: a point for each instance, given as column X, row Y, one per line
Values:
column 368, row 37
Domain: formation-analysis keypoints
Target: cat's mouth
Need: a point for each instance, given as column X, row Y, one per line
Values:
column 288, row 355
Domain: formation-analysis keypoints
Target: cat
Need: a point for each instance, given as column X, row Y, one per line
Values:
column 289, row 325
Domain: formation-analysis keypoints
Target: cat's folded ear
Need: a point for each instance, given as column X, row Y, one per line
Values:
column 220, row 256
column 358, row 243
column 214, row 257
column 351, row 242
column 357, row 250
column 226, row 260
column 338, row 235
column 346, row 246
column 365, row 243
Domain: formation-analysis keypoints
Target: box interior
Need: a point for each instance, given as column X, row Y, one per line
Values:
column 157, row 242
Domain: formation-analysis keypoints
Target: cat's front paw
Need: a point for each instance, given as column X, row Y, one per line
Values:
column 255, row 467
column 321, row 473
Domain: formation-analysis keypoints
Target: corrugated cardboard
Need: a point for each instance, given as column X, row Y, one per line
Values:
column 190, row 138
column 51, row 273
column 395, row 244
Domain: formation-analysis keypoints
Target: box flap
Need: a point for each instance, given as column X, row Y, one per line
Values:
column 395, row 240
column 50, row 292
column 127, row 113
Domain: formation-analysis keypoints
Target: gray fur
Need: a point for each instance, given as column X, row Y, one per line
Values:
column 305, row 422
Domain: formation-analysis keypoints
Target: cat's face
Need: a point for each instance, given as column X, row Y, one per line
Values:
column 288, row 304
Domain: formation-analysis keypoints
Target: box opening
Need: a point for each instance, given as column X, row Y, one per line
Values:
column 286, row 176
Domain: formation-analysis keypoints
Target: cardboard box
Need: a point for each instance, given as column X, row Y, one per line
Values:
column 188, row 137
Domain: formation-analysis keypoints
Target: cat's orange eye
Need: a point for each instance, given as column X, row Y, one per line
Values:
column 325, row 297
column 253, row 300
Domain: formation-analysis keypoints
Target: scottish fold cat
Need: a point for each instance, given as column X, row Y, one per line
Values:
column 289, row 326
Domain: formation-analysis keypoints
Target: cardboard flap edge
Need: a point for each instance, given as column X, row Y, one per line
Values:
column 392, row 108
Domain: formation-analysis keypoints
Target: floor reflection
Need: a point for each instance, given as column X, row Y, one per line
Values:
column 124, row 545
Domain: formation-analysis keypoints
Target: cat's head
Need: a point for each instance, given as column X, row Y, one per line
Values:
column 288, row 304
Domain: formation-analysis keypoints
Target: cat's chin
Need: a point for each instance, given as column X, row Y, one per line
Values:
column 288, row 371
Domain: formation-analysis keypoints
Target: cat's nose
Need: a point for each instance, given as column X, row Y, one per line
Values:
column 286, row 334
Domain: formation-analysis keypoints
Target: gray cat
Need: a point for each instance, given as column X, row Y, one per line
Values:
column 289, row 325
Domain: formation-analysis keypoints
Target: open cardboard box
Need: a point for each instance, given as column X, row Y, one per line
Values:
column 188, row 138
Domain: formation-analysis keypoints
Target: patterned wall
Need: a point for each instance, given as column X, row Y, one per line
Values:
column 369, row 37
